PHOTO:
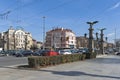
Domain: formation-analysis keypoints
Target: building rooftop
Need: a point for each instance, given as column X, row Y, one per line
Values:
column 60, row 29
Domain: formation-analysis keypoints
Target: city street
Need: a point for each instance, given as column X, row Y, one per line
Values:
column 101, row 68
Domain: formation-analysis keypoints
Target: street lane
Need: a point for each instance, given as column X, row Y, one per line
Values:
column 11, row 60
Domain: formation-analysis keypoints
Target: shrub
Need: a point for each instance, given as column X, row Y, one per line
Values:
column 90, row 55
column 40, row 61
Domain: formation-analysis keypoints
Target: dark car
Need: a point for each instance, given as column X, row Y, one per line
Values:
column 24, row 53
column 40, row 52
column 19, row 53
column 27, row 53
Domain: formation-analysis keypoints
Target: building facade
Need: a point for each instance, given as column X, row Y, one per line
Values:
column 16, row 39
column 39, row 44
column 60, row 38
column 81, row 42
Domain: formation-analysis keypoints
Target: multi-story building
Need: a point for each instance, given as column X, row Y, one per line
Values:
column 16, row 39
column 60, row 38
column 39, row 44
column 81, row 42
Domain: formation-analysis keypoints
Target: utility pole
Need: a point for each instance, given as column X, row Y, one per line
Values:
column 44, row 32
column 115, row 39
column 26, row 42
column 91, row 35
column 101, row 40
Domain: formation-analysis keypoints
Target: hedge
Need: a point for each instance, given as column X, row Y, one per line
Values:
column 40, row 61
column 90, row 55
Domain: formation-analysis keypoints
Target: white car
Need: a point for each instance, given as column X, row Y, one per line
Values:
column 117, row 53
column 65, row 51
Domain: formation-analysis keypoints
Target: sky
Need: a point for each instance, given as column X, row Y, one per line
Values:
column 68, row 14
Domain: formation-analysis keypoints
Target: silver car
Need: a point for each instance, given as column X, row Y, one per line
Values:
column 65, row 51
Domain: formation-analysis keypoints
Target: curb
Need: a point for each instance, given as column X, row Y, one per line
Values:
column 98, row 56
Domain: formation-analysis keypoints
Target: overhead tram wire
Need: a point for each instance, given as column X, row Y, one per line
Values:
column 25, row 5
column 48, row 10
column 95, row 16
column 4, row 13
column 8, row 9
column 101, row 13
column 51, row 9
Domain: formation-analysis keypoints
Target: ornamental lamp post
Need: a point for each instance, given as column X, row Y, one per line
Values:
column 85, row 35
column 91, row 46
column 97, row 36
column 97, row 43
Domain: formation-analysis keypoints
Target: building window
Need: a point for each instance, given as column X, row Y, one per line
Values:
column 72, row 37
column 71, row 41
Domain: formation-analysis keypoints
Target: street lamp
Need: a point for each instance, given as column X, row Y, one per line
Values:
column 97, row 42
column 97, row 36
column 91, row 35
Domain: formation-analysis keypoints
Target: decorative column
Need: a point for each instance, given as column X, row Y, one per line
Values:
column 91, row 44
column 102, row 41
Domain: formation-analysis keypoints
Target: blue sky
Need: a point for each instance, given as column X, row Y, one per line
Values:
column 71, row 14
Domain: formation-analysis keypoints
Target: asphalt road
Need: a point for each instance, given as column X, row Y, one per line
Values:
column 6, row 61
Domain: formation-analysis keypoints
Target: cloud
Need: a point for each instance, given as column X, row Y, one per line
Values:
column 111, row 37
column 110, row 34
column 115, row 6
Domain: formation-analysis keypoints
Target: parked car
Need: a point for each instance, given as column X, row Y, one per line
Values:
column 27, row 53
column 65, row 51
column 39, row 52
column 106, row 52
column 50, row 53
column 45, row 53
column 23, row 53
column 4, row 53
column 12, row 52
column 117, row 53
column 74, row 51
column 83, row 50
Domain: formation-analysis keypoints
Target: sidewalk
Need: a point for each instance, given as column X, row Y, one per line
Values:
column 104, row 68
